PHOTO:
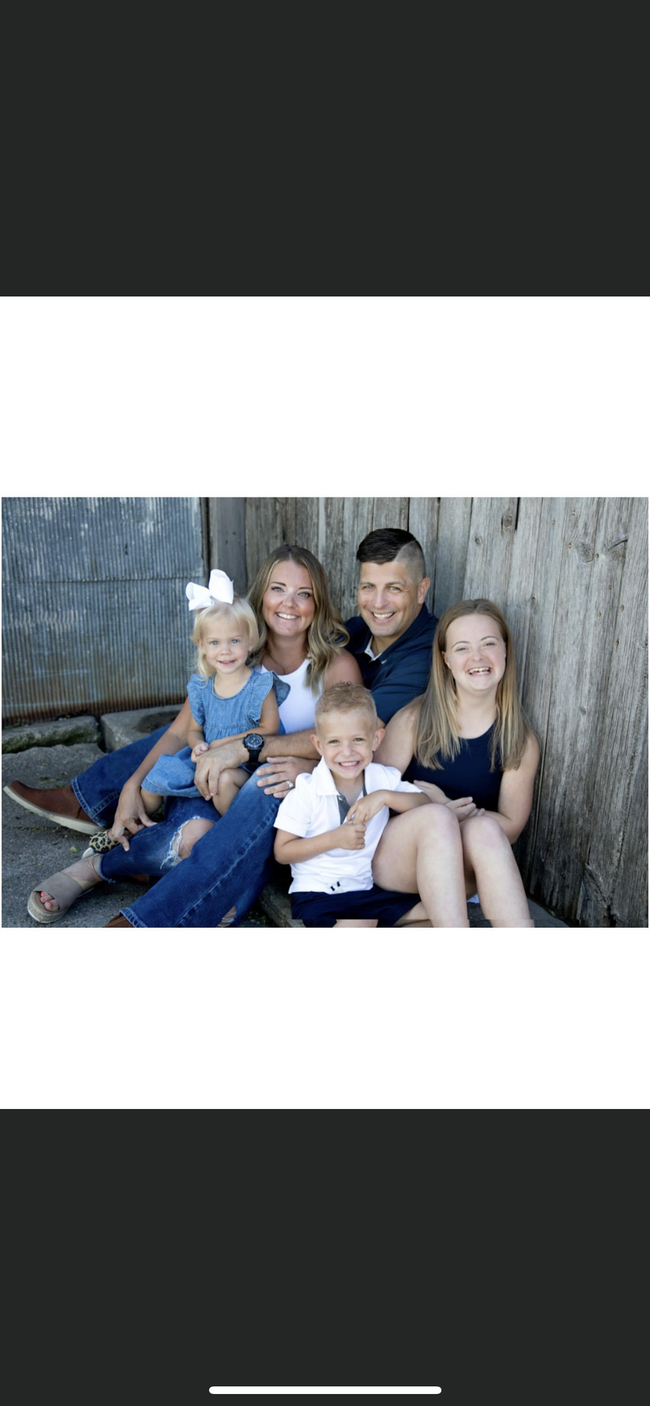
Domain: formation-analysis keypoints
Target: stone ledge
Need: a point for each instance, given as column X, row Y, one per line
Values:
column 70, row 731
column 276, row 904
column 118, row 729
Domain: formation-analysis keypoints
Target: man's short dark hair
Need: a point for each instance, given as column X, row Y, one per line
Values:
column 394, row 544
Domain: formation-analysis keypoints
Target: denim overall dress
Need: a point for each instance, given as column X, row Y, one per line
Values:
column 219, row 717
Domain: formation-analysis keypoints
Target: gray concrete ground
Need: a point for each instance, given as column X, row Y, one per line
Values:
column 33, row 848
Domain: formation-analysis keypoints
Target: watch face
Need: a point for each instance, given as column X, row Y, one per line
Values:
column 253, row 742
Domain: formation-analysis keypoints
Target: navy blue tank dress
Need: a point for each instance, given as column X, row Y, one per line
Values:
column 467, row 775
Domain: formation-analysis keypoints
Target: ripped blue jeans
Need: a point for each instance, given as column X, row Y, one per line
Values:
column 227, row 868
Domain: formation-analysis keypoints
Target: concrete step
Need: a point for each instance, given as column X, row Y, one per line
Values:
column 276, row 904
column 59, row 732
column 118, row 729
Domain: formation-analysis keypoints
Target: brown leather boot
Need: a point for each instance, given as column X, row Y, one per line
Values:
column 60, row 805
column 119, row 922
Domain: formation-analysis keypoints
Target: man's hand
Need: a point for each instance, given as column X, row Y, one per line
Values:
column 208, row 770
column 366, row 807
column 130, row 815
column 278, row 774
column 349, row 836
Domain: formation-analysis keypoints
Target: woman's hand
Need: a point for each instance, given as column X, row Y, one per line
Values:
column 278, row 774
column 463, row 808
column 366, row 806
column 196, row 751
column 130, row 815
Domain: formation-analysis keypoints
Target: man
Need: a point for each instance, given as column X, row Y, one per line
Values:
column 392, row 638
column 391, row 641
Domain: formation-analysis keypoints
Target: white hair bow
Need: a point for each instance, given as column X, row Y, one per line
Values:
column 219, row 588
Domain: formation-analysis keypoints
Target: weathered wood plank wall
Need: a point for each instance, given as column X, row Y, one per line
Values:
column 571, row 578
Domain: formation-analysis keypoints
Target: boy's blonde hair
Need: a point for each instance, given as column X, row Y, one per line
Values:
column 243, row 621
column 346, row 698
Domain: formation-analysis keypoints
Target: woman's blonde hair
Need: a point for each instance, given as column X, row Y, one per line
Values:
column 243, row 621
column 436, row 724
column 326, row 635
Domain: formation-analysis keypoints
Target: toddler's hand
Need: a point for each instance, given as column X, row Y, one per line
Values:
column 351, row 835
column 197, row 751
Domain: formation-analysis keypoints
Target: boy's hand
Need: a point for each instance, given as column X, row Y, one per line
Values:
column 366, row 807
column 350, row 836
column 196, row 751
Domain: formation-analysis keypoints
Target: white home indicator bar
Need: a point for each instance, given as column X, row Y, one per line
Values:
column 325, row 1390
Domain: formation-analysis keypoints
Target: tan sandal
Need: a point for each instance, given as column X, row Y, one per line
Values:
column 63, row 889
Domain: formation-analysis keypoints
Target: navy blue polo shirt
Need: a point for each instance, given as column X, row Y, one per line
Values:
column 401, row 673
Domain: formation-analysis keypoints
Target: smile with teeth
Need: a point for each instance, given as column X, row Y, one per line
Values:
column 382, row 614
column 282, row 616
column 484, row 669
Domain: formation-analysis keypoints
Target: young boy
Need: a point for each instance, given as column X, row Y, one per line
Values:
column 330, row 826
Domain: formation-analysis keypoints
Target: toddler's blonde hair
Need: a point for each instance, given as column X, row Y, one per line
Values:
column 243, row 621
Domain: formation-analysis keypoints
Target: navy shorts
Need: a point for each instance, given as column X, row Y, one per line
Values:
column 322, row 910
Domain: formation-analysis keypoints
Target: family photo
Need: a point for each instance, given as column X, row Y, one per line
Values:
column 319, row 712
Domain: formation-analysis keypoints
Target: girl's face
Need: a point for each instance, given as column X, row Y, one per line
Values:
column 288, row 604
column 224, row 646
column 475, row 653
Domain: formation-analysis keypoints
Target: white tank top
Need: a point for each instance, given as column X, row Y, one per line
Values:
column 297, row 711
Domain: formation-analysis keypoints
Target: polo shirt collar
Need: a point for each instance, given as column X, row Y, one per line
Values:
column 415, row 628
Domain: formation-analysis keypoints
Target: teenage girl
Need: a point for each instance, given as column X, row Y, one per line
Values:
column 467, row 745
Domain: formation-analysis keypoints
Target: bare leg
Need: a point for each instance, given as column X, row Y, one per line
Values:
column 151, row 802
column 421, row 852
column 491, row 870
column 355, row 923
column 230, row 782
column 188, row 835
column 415, row 918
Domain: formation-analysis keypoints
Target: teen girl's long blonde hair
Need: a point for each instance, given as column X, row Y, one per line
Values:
column 436, row 731
column 326, row 635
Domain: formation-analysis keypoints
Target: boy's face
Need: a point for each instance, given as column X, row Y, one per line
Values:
column 346, row 741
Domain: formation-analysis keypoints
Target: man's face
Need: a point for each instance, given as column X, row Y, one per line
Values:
column 389, row 600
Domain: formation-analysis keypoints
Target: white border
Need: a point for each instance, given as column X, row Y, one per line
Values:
column 373, row 397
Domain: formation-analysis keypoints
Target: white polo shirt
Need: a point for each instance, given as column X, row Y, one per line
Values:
column 312, row 808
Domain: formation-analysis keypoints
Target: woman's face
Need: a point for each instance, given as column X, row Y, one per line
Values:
column 475, row 653
column 288, row 603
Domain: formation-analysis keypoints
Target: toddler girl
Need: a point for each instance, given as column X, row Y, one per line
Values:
column 227, row 698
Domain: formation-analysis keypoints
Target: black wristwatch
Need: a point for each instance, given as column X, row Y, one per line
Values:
column 253, row 743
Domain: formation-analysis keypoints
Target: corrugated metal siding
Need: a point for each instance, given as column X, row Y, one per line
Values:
column 94, row 610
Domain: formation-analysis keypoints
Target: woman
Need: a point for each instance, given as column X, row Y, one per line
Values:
column 465, row 742
column 302, row 639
